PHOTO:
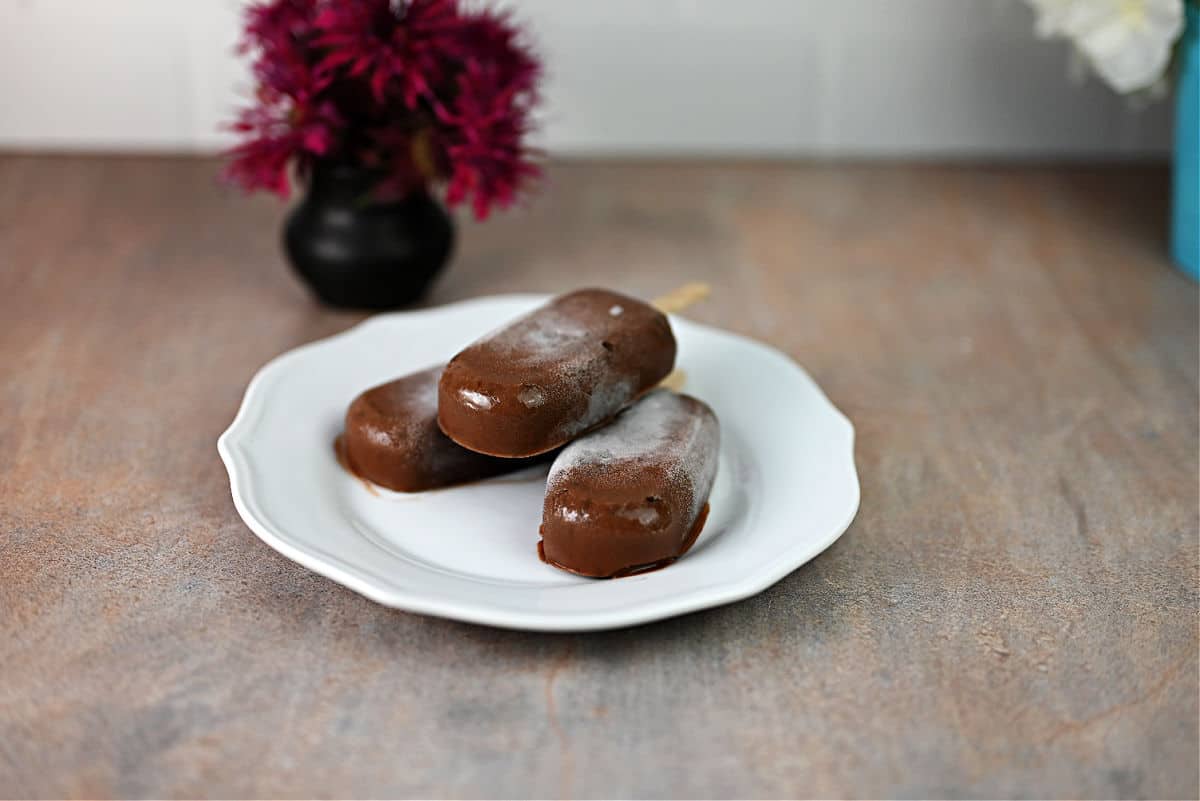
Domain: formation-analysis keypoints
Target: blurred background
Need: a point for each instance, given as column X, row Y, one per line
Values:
column 851, row 79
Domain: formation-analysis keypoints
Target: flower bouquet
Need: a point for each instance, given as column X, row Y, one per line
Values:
column 374, row 104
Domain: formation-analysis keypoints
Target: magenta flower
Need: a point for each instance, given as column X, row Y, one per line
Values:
column 276, row 133
column 484, row 129
column 422, row 91
column 408, row 49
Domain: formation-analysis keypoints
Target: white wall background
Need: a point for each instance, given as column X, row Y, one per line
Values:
column 871, row 78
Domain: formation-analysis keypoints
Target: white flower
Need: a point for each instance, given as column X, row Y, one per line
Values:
column 1127, row 42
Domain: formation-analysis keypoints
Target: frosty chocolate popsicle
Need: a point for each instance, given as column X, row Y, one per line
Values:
column 553, row 374
column 632, row 495
column 392, row 439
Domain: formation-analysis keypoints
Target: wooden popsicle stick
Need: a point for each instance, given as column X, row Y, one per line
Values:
column 674, row 380
column 680, row 298
column 676, row 301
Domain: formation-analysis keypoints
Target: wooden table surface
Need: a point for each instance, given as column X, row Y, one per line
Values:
column 1014, row 611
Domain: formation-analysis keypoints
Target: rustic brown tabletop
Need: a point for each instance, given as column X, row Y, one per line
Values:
column 1014, row 611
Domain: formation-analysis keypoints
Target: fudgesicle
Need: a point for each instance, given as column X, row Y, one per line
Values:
column 553, row 374
column 392, row 439
column 634, row 494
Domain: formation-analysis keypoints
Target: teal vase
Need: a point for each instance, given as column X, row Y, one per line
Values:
column 1185, row 220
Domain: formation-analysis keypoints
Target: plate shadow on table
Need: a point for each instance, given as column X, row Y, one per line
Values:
column 804, row 604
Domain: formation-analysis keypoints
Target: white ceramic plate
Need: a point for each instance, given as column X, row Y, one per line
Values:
column 786, row 486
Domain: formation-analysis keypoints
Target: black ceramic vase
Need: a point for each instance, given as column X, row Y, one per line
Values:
column 356, row 251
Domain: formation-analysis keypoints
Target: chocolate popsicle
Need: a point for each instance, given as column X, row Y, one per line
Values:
column 392, row 439
column 553, row 374
column 633, row 495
